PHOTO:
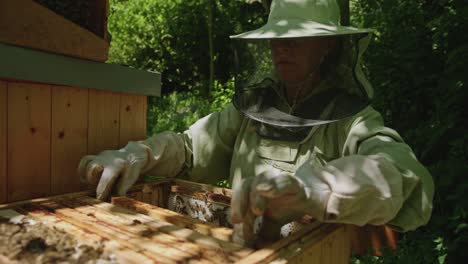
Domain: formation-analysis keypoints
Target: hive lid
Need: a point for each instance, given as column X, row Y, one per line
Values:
column 18, row 63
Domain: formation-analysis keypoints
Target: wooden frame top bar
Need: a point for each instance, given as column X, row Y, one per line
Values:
column 18, row 63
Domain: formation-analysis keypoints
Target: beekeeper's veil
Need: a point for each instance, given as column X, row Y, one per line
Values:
column 342, row 92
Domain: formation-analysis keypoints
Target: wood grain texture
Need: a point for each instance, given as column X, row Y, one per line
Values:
column 334, row 247
column 27, row 23
column 281, row 249
column 169, row 216
column 185, row 249
column 132, row 118
column 84, row 236
column 3, row 142
column 69, row 137
column 29, row 122
column 104, row 119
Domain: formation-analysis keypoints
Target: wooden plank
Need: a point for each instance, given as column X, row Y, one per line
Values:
column 202, row 195
column 287, row 248
column 132, row 118
column 333, row 248
column 103, row 128
column 38, row 200
column 27, row 23
column 3, row 142
column 221, row 233
column 197, row 187
column 69, row 137
column 29, row 107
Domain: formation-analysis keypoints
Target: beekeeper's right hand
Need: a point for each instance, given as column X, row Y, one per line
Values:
column 117, row 170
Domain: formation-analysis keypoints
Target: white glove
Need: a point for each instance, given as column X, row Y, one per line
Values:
column 118, row 170
column 278, row 196
column 114, row 167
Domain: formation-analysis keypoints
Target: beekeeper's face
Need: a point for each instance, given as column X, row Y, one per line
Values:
column 297, row 58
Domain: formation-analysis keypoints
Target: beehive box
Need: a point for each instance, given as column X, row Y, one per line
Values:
column 29, row 24
column 138, row 229
column 56, row 109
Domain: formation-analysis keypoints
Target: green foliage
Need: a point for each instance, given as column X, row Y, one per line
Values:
column 171, row 36
column 417, row 64
column 178, row 110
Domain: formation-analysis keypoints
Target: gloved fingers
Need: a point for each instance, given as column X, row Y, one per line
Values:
column 89, row 170
column 109, row 176
column 130, row 175
column 258, row 202
column 277, row 186
column 240, row 201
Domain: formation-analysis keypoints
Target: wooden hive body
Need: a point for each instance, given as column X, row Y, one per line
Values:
column 137, row 229
column 54, row 109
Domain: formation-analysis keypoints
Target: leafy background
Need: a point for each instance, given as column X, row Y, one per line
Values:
column 417, row 64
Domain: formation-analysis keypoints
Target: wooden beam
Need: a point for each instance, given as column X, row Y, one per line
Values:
column 221, row 233
column 29, row 24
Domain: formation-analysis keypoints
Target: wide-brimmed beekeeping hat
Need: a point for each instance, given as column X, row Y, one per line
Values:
column 302, row 18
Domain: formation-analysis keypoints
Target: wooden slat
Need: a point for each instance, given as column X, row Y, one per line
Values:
column 26, row 23
column 132, row 118
column 202, row 195
column 3, row 142
column 93, row 225
column 155, row 193
column 184, row 249
column 197, row 187
column 28, row 141
column 103, row 129
column 174, row 218
column 291, row 246
column 173, row 230
column 69, row 137
column 38, row 200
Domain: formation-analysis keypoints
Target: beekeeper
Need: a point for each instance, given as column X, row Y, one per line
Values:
column 299, row 138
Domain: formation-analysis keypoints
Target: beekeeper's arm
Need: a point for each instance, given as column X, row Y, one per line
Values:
column 205, row 148
column 378, row 180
